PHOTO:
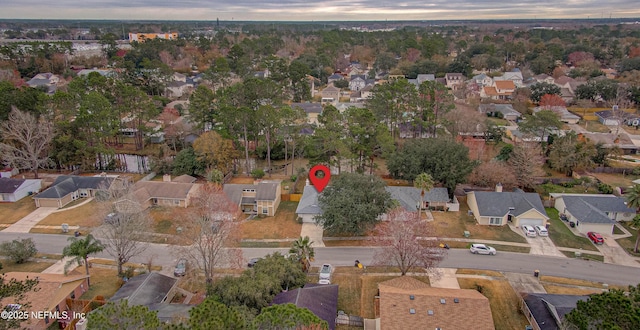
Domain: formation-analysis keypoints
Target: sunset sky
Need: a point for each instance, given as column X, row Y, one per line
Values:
column 327, row 10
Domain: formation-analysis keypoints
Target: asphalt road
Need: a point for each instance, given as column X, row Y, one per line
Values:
column 167, row 255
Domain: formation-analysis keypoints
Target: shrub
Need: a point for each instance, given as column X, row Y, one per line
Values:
column 605, row 188
column 19, row 250
column 215, row 175
column 257, row 173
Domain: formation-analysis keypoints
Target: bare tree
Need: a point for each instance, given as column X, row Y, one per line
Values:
column 210, row 231
column 26, row 140
column 526, row 161
column 400, row 243
column 123, row 236
column 489, row 174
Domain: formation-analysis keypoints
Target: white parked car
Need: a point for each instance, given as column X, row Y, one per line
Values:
column 541, row 230
column 529, row 231
column 482, row 249
column 325, row 272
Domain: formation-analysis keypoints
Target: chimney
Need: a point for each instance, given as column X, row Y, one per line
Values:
column 306, row 182
column 166, row 178
column 499, row 187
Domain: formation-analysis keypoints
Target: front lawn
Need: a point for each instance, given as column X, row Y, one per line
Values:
column 35, row 266
column 503, row 300
column 104, row 282
column 282, row 225
column 86, row 216
column 12, row 212
column 562, row 236
column 628, row 243
column 454, row 224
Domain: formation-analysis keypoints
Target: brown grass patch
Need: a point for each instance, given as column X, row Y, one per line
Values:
column 12, row 212
column 360, row 242
column 84, row 216
column 104, row 282
column 616, row 180
column 503, row 300
column 35, row 266
column 558, row 289
column 165, row 220
column 51, row 231
column 479, row 272
column 282, row 225
column 137, row 267
column 576, row 282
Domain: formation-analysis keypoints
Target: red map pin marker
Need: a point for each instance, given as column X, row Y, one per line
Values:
column 319, row 182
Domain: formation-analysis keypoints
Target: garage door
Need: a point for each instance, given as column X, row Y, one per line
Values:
column 530, row 222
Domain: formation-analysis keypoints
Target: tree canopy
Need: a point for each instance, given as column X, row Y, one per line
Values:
column 352, row 203
column 608, row 310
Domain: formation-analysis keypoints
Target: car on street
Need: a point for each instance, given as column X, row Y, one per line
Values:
column 325, row 272
column 482, row 249
column 595, row 237
column 541, row 230
column 529, row 231
column 181, row 268
column 253, row 262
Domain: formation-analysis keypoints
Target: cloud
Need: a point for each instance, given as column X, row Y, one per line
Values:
column 303, row 10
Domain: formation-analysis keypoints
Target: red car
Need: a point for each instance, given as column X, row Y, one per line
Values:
column 595, row 237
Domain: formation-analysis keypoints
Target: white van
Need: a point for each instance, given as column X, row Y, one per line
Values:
column 529, row 231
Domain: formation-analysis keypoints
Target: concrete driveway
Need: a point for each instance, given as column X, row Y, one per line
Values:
column 25, row 224
column 542, row 246
column 615, row 254
column 314, row 232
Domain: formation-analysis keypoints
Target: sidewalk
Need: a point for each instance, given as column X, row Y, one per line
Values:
column 58, row 267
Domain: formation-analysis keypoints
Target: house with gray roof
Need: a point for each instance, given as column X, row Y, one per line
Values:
column 13, row 190
column 320, row 299
column 146, row 289
column 260, row 198
column 505, row 111
column 409, row 197
column 547, row 311
column 497, row 208
column 564, row 115
column 308, row 206
column 312, row 110
column 68, row 188
column 593, row 212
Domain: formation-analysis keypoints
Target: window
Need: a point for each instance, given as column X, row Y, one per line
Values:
column 495, row 221
column 176, row 201
column 265, row 210
column 73, row 295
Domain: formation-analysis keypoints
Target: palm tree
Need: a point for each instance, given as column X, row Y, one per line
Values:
column 633, row 197
column 424, row 182
column 80, row 249
column 303, row 251
column 636, row 224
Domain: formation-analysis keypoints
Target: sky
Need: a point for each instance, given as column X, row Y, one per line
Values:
column 324, row 10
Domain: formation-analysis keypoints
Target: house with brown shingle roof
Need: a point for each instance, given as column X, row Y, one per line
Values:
column 151, row 193
column 407, row 303
column 259, row 198
column 50, row 295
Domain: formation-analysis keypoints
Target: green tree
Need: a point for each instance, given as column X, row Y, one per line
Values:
column 434, row 101
column 567, row 154
column 608, row 310
column 201, row 106
column 287, row 271
column 541, row 124
column 121, row 315
column 303, row 251
column 445, row 160
column 186, row 162
column 391, row 101
column 13, row 292
column 424, row 182
column 366, row 138
column 288, row 316
column 80, row 249
column 215, row 151
column 543, row 88
column 219, row 72
column 211, row 314
column 633, row 197
column 19, row 250
column 329, row 143
column 352, row 204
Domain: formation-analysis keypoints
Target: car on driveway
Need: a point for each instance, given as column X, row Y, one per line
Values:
column 529, row 231
column 541, row 230
column 325, row 272
column 595, row 237
column 482, row 249
column 181, row 268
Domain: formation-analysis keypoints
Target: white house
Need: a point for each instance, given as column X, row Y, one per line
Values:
column 593, row 212
column 13, row 190
column 308, row 206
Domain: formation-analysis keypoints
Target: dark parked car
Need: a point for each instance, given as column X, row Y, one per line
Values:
column 563, row 217
column 595, row 237
column 253, row 262
column 181, row 268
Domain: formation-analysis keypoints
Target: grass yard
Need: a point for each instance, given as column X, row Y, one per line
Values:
column 616, row 180
column 628, row 243
column 84, row 216
column 558, row 289
column 594, row 126
column 562, row 236
column 586, row 256
column 165, row 219
column 576, row 282
column 104, row 282
column 12, row 212
column 481, row 272
column 35, row 266
column 453, row 224
column 503, row 300
column 282, row 225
